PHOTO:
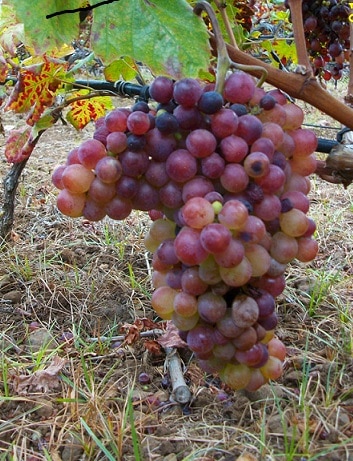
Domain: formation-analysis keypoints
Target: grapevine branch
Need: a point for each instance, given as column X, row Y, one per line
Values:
column 304, row 66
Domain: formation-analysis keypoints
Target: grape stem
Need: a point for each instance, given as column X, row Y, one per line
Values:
column 222, row 9
column 224, row 63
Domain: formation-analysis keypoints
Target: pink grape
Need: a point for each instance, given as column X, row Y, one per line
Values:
column 187, row 92
column 101, row 192
column 284, row 248
column 93, row 211
column 77, row 179
column 237, row 276
column 198, row 212
column 224, row 123
column 239, row 88
column 245, row 311
column 233, row 214
column 116, row 120
column 90, row 152
column 162, row 301
column 69, row 204
column 256, row 164
column 118, row 208
column 191, row 281
column 116, row 142
column 234, row 149
column 215, row 237
column 188, row 247
column 181, row 166
column 161, row 89
column 108, row 170
column 234, row 178
column 185, row 305
column 201, row 143
column 200, row 339
column 212, row 167
column 138, row 122
column 196, row 187
column 211, row 307
column 294, row 222
column 236, row 376
column 249, row 128
column 57, row 177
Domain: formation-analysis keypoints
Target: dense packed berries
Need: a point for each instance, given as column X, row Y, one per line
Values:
column 327, row 33
column 227, row 194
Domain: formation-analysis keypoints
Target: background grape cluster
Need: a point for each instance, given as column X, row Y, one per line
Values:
column 224, row 178
column 327, row 32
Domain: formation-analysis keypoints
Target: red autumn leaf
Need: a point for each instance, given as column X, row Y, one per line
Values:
column 152, row 346
column 4, row 68
column 36, row 88
column 18, row 145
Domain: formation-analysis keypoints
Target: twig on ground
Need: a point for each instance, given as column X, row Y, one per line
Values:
column 180, row 391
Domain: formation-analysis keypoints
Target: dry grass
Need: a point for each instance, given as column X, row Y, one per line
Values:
column 74, row 277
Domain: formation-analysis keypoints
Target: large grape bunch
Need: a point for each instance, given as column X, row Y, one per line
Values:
column 327, row 32
column 225, row 180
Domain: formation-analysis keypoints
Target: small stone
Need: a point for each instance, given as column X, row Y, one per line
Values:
column 276, row 424
column 39, row 339
column 46, row 408
column 170, row 457
column 266, row 392
column 73, row 449
column 13, row 296
column 5, row 282
column 343, row 418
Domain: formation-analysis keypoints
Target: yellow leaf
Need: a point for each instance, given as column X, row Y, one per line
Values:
column 83, row 111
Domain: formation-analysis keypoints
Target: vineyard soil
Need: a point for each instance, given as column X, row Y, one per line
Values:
column 65, row 282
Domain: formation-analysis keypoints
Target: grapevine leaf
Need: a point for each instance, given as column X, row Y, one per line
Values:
column 4, row 68
column 47, row 120
column 46, row 33
column 286, row 50
column 17, row 146
column 84, row 111
column 282, row 49
column 11, row 32
column 35, row 88
column 166, row 36
column 124, row 68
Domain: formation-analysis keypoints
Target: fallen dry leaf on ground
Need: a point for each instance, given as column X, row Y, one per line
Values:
column 171, row 337
column 40, row 381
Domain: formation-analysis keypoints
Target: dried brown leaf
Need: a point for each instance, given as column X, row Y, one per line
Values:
column 40, row 381
column 171, row 337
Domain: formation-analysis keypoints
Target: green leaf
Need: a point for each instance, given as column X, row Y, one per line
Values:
column 165, row 35
column 42, row 33
column 46, row 121
column 120, row 69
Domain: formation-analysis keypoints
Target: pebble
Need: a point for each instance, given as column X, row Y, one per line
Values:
column 45, row 409
column 170, row 457
column 275, row 424
column 5, row 282
column 39, row 339
column 13, row 296
column 72, row 450
column 266, row 392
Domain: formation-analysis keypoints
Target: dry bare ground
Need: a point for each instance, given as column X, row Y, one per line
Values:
column 66, row 396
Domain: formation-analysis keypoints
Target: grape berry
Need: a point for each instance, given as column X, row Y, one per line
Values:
column 227, row 194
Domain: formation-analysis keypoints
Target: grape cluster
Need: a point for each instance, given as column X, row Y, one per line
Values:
column 227, row 194
column 327, row 32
